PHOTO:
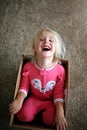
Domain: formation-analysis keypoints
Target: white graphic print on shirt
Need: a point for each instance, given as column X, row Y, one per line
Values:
column 37, row 84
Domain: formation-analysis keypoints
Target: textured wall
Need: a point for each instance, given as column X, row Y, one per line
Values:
column 19, row 20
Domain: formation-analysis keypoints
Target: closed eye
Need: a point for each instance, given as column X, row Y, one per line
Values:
column 41, row 39
column 51, row 40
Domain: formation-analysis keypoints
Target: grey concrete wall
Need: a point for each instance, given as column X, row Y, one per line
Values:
column 19, row 20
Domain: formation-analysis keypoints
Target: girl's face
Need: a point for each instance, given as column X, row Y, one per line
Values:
column 45, row 45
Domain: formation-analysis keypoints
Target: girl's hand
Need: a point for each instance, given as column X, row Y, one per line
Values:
column 61, row 123
column 15, row 106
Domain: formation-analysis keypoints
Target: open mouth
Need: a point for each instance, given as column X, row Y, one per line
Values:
column 46, row 48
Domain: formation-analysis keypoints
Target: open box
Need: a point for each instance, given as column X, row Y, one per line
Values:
column 37, row 124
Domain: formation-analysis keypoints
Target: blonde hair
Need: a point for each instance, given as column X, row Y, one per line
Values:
column 60, row 45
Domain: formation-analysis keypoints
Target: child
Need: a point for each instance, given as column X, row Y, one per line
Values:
column 43, row 79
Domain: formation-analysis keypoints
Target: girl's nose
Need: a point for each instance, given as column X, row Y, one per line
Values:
column 46, row 41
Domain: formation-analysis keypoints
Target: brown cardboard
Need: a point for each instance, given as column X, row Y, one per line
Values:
column 36, row 125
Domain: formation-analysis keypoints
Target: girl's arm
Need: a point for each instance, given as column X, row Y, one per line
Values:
column 60, row 119
column 16, row 105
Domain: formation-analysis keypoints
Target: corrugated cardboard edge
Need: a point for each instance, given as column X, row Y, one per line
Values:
column 67, row 83
column 17, row 86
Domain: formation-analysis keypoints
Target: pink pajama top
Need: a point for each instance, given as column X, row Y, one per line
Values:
column 47, row 84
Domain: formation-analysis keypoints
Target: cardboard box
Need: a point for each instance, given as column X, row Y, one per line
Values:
column 37, row 125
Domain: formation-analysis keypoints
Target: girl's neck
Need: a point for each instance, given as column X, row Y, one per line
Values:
column 45, row 63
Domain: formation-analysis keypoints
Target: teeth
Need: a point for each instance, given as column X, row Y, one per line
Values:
column 46, row 48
